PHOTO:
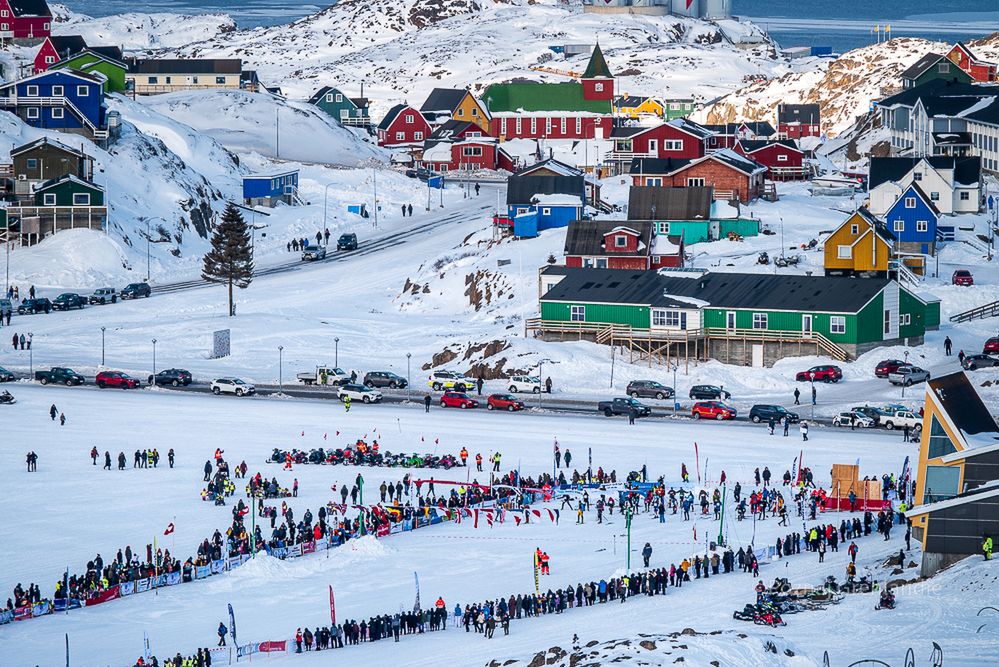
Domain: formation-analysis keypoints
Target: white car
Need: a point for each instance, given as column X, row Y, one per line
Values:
column 358, row 392
column 901, row 419
column 843, row 419
column 524, row 383
column 441, row 380
column 232, row 386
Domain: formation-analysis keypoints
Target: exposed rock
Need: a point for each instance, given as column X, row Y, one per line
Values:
column 647, row 645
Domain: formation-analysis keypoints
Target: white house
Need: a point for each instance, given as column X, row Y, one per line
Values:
column 953, row 184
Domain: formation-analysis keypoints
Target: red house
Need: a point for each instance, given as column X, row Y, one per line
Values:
column 466, row 155
column 782, row 158
column 731, row 175
column 55, row 48
column 620, row 244
column 679, row 138
column 980, row 70
column 795, row 121
column 726, row 135
column 402, row 127
column 25, row 19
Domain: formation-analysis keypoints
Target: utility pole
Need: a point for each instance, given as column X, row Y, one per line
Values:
column 374, row 172
column 102, row 346
column 627, row 521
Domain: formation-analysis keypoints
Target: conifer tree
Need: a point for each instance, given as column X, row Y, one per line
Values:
column 230, row 261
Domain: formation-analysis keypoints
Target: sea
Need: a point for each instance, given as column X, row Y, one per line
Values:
column 841, row 24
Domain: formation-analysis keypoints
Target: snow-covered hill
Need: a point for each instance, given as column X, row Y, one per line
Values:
column 135, row 31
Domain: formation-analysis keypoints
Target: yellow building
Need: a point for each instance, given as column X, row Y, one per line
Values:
column 470, row 110
column 630, row 106
column 168, row 75
column 861, row 246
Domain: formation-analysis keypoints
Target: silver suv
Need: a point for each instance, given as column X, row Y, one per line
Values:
column 907, row 375
column 104, row 295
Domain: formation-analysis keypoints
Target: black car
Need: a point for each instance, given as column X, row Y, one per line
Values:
column 6, row 375
column 648, row 389
column 707, row 392
column 347, row 242
column 171, row 376
column 764, row 413
column 68, row 300
column 384, row 379
column 41, row 305
column 136, row 290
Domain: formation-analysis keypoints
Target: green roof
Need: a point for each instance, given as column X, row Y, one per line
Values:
column 533, row 96
column 597, row 67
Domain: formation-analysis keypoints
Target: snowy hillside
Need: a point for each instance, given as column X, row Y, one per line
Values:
column 141, row 31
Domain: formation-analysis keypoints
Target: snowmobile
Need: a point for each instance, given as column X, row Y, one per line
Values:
column 862, row 585
column 748, row 613
column 7, row 398
column 764, row 258
column 887, row 600
column 781, row 585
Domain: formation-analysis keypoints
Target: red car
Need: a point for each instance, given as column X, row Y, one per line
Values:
column 962, row 277
column 712, row 410
column 457, row 399
column 820, row 374
column 991, row 345
column 116, row 379
column 504, row 402
column 887, row 366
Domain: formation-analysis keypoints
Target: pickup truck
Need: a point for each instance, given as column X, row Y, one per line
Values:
column 324, row 375
column 621, row 406
column 901, row 419
column 66, row 376
column 313, row 253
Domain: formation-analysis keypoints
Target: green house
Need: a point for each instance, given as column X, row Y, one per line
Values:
column 69, row 190
column 691, row 212
column 932, row 67
column 677, row 108
column 99, row 60
column 743, row 318
column 346, row 110
column 533, row 97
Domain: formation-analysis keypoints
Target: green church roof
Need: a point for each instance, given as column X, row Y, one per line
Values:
column 533, row 97
column 597, row 67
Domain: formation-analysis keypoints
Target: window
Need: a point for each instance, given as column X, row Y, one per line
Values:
column 905, row 319
column 534, row 125
column 168, row 80
column 194, row 80
column 475, row 112
column 58, row 113
column 673, row 106
column 519, row 126
column 408, row 118
column 964, row 196
column 601, row 262
column 344, row 113
column 673, row 145
column 49, row 199
column 471, row 151
column 837, row 324
column 50, row 59
column 943, row 68
column 782, row 158
column 82, row 91
column 4, row 13
column 46, row 26
column 922, row 226
column 329, row 97
column 418, row 136
column 57, row 91
column 887, row 323
column 548, row 125
column 695, row 182
column 577, row 313
column 546, row 211
column 220, row 81
column 579, row 125
column 620, row 241
column 81, row 199
column 563, row 124
column 918, row 176
column 32, row 91
column 662, row 228
column 4, row 26
column 934, row 196
column 31, row 163
column 32, row 113
column 844, row 252
column 759, row 320
column 598, row 87
column 910, row 202
column 339, row 97
column 941, row 483
column 730, row 319
column 400, row 136
column 854, row 229
column 653, row 180
column 940, row 443
column 898, row 226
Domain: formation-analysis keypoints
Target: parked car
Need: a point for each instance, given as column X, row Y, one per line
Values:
column 524, row 383
column 846, row 418
column 907, row 375
column 347, row 242
column 622, row 406
column 991, row 346
column 104, row 295
column 6, row 306
column 873, row 413
column 384, row 379
column 901, row 419
column 820, row 374
column 888, row 366
column 458, row 399
column 648, row 389
column 503, row 402
column 712, row 410
column 68, row 300
column 358, row 392
column 174, row 377
column 313, row 253
column 975, row 361
column 59, row 375
column 707, row 392
column 136, row 290
column 232, row 385
column 440, row 380
column 116, row 379
column 33, row 306
column 764, row 413
column 324, row 375
column 962, row 277
column 6, row 375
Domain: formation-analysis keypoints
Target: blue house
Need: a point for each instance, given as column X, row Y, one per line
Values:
column 269, row 189
column 556, row 200
column 62, row 99
column 913, row 219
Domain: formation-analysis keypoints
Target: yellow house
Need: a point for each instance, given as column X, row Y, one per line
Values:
column 861, row 246
column 471, row 111
column 956, row 499
column 630, row 106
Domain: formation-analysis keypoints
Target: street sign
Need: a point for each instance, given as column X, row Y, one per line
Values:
column 436, row 182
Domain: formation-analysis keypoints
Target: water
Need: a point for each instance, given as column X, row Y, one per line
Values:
column 842, row 24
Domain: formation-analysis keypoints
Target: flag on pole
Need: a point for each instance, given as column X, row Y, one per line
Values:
column 232, row 625
column 801, row 465
column 332, row 607
column 697, row 463
column 416, row 605
column 169, row 528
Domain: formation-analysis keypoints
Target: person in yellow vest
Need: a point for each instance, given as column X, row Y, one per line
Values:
column 987, row 547
column 851, row 571
column 346, row 403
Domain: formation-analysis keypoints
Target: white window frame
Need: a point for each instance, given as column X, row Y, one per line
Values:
column 84, row 199
column 782, row 158
column 579, row 125
column 409, row 118
column 761, row 321
column 48, row 199
column 519, row 125
column 400, row 136
column 620, row 241
column 418, row 136
column 563, row 125
column 898, row 226
column 886, row 325
column 58, row 91
column 844, row 252
column 31, row 91
column 910, row 202
column 854, row 229
column 31, row 113
column 546, row 210
column 654, row 180
column 548, row 125
column 84, row 91
column 695, row 182
column 934, row 196
column 58, row 113
column 837, row 324
column 577, row 313
column 339, row 97
column 672, row 145
column 534, row 125
column 922, row 226
column 904, row 319
column 329, row 97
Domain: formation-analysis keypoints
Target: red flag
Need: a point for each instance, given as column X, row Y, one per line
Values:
column 475, row 517
column 244, row 511
column 332, row 607
column 551, row 516
column 169, row 529
column 516, row 518
column 689, row 2
column 489, row 518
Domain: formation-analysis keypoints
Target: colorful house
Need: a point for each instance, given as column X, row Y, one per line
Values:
column 691, row 213
column 552, row 167
column 956, row 500
column 346, row 110
column 569, row 110
column 732, row 176
column 403, row 127
column 25, row 19
column 726, row 135
column 471, row 154
column 269, row 189
column 99, row 61
column 953, row 184
column 933, row 66
column 979, row 70
column 542, row 202
column 913, row 221
column 679, row 138
column 168, row 75
column 637, row 106
column 621, row 244
column 45, row 159
column 444, row 104
column 55, row 48
column 69, row 190
column 60, row 99
column 678, row 108
column 861, row 246
column 782, row 157
column 795, row 121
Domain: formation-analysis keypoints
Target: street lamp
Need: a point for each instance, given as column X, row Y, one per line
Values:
column 811, row 379
column 280, row 369
column 409, row 388
column 674, row 366
column 326, row 192
column 336, row 353
column 906, row 359
column 102, row 346
column 154, row 356
column 31, row 357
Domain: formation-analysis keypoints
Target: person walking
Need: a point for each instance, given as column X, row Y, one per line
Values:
column 567, row 457
column 409, row 210
column 813, row 394
column 960, row 353
column 548, row 385
column 222, row 633
column 987, row 547
column 787, row 425
column 948, row 345
column 53, row 412
column 14, row 340
column 476, row 189
column 478, row 384
column 646, row 553
column 94, row 454
column 346, row 403
column 631, row 415
column 804, row 431
column 62, row 419
column 107, row 460
column 426, row 403
column 797, row 396
column 404, row 210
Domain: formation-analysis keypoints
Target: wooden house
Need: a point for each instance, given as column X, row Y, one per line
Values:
column 61, row 99
column 953, row 184
column 782, row 157
column 621, row 244
column 795, row 121
column 637, row 106
column 732, row 176
column 861, row 246
column 471, row 154
column 980, row 70
column 726, row 135
column 679, row 138
column 67, row 191
column 46, row 159
column 933, row 66
column 403, row 127
column 25, row 20
column 346, row 110
column 167, row 75
column 691, row 213
column 913, row 221
column 105, row 61
column 55, row 48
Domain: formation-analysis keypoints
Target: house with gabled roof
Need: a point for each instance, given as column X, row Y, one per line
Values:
column 352, row 111
column 952, row 183
column 403, row 127
column 55, row 48
column 679, row 138
column 913, row 221
column 732, row 176
column 445, row 104
column 25, row 20
column 60, row 99
column 621, row 244
column 637, row 106
column 42, row 160
column 795, row 121
column 99, row 61
column 980, row 70
column 861, row 246
column 153, row 76
column 782, row 157
column 725, row 135
column 692, row 213
column 933, row 66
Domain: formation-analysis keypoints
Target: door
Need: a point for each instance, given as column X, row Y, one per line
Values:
column 757, row 356
column 730, row 320
column 806, row 326
column 653, row 147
